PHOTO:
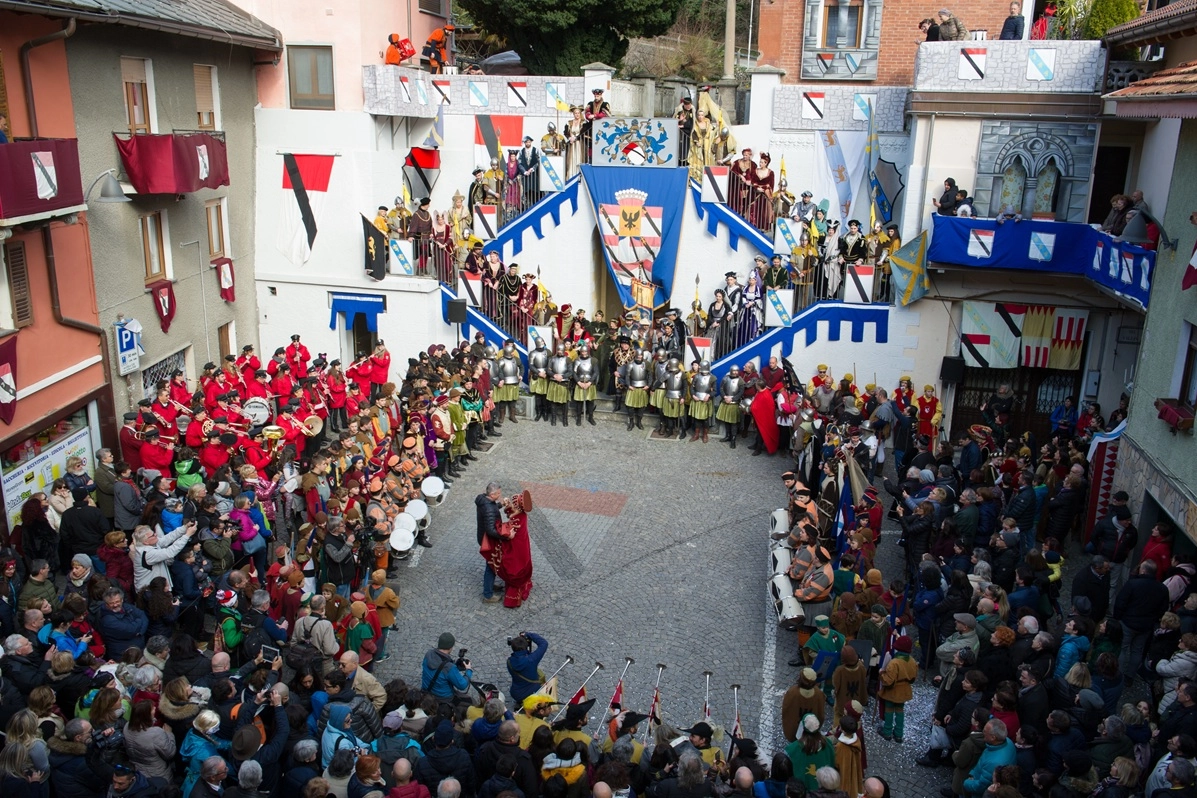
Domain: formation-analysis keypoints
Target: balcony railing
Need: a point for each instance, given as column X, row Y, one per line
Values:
column 39, row 179
column 174, row 163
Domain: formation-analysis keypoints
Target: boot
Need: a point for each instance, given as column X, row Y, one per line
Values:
column 578, row 413
column 704, row 432
column 552, row 414
column 698, row 430
column 631, row 418
column 511, row 412
column 492, row 432
column 565, row 415
column 422, row 540
column 639, row 418
column 454, row 471
column 590, row 413
column 618, row 402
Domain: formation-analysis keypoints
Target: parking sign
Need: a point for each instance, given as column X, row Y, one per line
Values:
column 126, row 350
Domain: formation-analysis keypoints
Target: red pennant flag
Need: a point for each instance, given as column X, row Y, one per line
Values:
column 163, row 294
column 617, row 699
column 226, row 280
column 1190, row 278
column 579, row 696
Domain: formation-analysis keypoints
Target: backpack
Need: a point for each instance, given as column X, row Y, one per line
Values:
column 303, row 653
column 255, row 638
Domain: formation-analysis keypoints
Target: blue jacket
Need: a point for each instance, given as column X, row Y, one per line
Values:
column 992, row 758
column 925, row 602
column 524, row 667
column 66, row 642
column 1024, row 597
column 970, row 458
column 195, row 749
column 1073, row 649
column 450, row 677
column 185, row 587
column 122, row 630
column 1060, row 744
column 1064, row 419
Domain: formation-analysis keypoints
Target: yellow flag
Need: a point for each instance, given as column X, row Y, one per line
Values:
column 406, row 196
column 783, row 167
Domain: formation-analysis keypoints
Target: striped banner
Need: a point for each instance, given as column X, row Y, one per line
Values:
column 401, row 254
column 517, row 94
column 551, row 169
column 443, row 88
column 779, row 307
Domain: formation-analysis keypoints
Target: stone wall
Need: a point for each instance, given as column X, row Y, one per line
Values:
column 817, row 107
column 1011, row 66
column 1139, row 474
column 399, row 91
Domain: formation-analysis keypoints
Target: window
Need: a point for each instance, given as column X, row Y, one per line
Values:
column 433, row 7
column 153, row 247
column 135, row 74
column 4, row 96
column 832, row 23
column 228, row 339
column 216, row 237
column 1188, row 375
column 160, row 372
column 18, row 284
column 310, row 70
column 206, row 96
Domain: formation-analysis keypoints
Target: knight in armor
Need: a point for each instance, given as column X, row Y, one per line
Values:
column 731, row 392
column 538, row 377
column 634, row 377
column 673, row 403
column 557, row 394
column 702, row 393
column 586, row 374
column 506, row 373
column 659, row 364
column 623, row 355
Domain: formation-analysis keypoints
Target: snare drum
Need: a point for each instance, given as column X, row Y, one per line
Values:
column 790, row 614
column 418, row 509
column 404, row 536
column 433, row 489
column 780, row 559
column 779, row 521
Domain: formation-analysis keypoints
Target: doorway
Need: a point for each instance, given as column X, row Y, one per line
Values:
column 1110, row 170
column 364, row 339
column 1037, row 392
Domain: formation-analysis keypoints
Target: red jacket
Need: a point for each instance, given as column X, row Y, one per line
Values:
column 336, row 391
column 272, row 366
column 213, row 457
column 156, row 457
column 131, row 448
column 257, row 457
column 180, row 393
column 362, row 375
column 297, row 358
column 247, row 366
column 381, row 368
column 1159, row 551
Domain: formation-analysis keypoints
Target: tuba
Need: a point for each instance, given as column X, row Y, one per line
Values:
column 273, row 434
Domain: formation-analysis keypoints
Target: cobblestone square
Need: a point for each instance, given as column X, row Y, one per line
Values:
column 651, row 550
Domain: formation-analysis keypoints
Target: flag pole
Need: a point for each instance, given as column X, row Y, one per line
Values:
column 656, row 703
column 706, row 698
column 736, row 730
column 610, row 704
column 598, row 666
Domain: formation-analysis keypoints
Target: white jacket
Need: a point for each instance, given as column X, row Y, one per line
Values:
column 152, row 561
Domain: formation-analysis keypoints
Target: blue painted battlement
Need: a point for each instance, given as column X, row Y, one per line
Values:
column 738, row 227
column 477, row 322
column 549, row 205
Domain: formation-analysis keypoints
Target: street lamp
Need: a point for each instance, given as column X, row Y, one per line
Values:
column 110, row 191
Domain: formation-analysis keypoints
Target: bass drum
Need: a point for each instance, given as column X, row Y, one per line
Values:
column 790, row 614
column 257, row 410
column 779, row 521
column 403, row 538
column 779, row 560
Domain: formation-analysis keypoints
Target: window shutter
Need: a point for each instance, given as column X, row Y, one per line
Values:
column 3, row 91
column 203, row 89
column 133, row 70
column 18, row 281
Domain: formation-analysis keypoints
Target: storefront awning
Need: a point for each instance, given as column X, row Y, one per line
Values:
column 370, row 305
column 174, row 163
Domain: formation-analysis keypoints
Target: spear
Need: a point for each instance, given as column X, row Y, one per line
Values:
column 616, row 697
column 656, row 704
column 737, row 732
column 598, row 666
column 706, row 705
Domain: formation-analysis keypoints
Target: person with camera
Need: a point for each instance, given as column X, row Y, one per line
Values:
column 440, row 675
column 527, row 650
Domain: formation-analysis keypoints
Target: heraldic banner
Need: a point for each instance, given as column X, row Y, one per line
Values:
column 639, row 213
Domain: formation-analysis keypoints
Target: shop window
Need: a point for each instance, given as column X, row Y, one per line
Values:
column 135, row 73
column 1188, row 373
column 32, row 465
column 18, row 284
column 310, row 71
column 206, row 95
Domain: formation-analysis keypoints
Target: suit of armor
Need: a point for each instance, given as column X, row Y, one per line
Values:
column 635, row 378
column 505, row 371
column 586, row 373
column 702, row 390
column 731, row 393
column 538, row 383
column 560, row 372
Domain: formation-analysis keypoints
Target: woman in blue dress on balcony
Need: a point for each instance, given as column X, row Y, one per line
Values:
column 752, row 310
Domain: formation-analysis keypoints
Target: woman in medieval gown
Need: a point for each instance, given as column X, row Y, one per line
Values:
column 492, row 270
column 461, row 227
column 760, row 213
column 701, row 138
column 575, row 142
column 720, row 319
column 443, row 247
column 512, row 202
column 832, row 268
column 752, row 310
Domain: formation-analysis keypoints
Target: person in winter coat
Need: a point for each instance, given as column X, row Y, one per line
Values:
column 122, row 624
column 200, row 743
column 1110, row 744
column 151, row 748
column 916, row 532
column 1062, row 737
column 1012, row 27
column 1139, row 605
column 70, row 774
column 926, row 600
column 445, row 760
column 83, row 526
column 127, row 499
column 946, row 204
column 1062, row 509
column 1022, row 509
column 965, row 758
column 1181, row 665
column 1158, row 548
column 951, row 29
column 118, row 567
column 1074, row 645
column 364, row 718
column 999, row 751
column 152, row 554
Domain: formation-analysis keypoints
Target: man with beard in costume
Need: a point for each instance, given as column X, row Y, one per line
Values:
column 853, row 246
column 623, row 355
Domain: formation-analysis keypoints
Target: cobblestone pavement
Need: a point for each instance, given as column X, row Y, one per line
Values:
column 654, row 550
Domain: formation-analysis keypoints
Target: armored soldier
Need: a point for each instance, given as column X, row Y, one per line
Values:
column 623, row 355
column 538, row 377
column 674, row 403
column 634, row 378
column 552, row 143
column 660, row 361
column 731, row 391
column 557, row 394
column 702, row 393
column 586, row 372
column 506, row 372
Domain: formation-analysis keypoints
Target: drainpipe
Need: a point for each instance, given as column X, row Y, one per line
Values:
column 55, row 304
column 67, row 30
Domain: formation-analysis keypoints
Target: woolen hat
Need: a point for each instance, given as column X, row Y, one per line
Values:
column 444, row 734
column 446, row 640
column 904, row 644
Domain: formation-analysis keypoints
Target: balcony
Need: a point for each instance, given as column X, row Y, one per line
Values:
column 402, row 91
column 39, row 179
column 1117, row 267
column 174, row 163
column 1009, row 70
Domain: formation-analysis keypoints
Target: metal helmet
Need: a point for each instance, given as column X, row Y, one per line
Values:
column 584, row 350
column 552, row 128
column 704, row 366
column 539, row 344
column 398, row 200
column 491, row 352
column 724, row 132
column 734, row 371
column 674, row 365
column 639, row 355
column 509, row 348
column 560, row 350
column 494, row 163
column 661, row 353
